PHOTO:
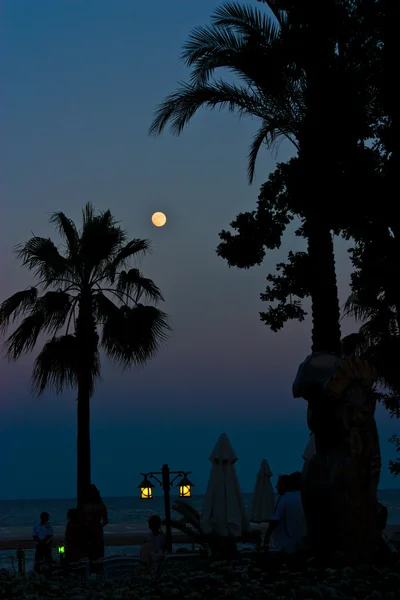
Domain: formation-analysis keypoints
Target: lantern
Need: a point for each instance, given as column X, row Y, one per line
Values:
column 185, row 488
column 146, row 489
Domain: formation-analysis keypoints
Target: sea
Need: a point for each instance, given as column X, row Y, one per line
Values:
column 25, row 513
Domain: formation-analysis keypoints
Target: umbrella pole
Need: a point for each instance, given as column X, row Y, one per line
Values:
column 166, row 484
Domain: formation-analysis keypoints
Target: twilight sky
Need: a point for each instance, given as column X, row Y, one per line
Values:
column 81, row 81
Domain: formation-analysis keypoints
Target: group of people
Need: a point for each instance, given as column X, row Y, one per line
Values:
column 83, row 533
column 287, row 526
column 84, row 536
column 84, row 530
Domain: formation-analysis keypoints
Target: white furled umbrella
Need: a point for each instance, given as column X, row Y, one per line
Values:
column 310, row 448
column 263, row 501
column 223, row 509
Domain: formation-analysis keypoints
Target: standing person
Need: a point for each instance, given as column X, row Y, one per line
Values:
column 282, row 485
column 95, row 517
column 287, row 525
column 75, row 537
column 153, row 549
column 43, row 535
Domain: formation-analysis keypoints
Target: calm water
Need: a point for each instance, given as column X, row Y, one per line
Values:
column 25, row 513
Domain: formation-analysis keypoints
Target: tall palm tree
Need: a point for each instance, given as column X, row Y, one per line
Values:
column 86, row 301
column 290, row 76
column 301, row 74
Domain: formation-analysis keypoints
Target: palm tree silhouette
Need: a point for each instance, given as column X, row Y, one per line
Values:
column 300, row 78
column 82, row 291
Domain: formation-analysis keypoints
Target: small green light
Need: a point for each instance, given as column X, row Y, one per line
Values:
column 61, row 550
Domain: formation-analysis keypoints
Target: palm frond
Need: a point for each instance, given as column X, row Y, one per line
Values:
column 279, row 125
column 190, row 525
column 268, row 134
column 67, row 230
column 209, row 48
column 181, row 106
column 202, row 40
column 133, row 283
column 101, row 239
column 48, row 314
column 133, row 249
column 104, row 309
column 56, row 308
column 88, row 213
column 131, row 335
column 253, row 61
column 57, row 365
column 194, row 536
column 188, row 513
column 15, row 306
column 362, row 309
column 279, row 14
column 376, row 329
column 246, row 20
column 42, row 256
column 24, row 338
column 248, row 43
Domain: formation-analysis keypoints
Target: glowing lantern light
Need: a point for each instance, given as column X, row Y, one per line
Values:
column 185, row 488
column 146, row 489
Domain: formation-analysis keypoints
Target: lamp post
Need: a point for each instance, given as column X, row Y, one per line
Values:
column 146, row 492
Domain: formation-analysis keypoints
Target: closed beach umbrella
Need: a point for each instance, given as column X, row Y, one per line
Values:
column 263, row 501
column 223, row 509
column 310, row 448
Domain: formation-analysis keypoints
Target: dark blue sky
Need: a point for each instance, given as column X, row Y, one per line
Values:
column 81, row 81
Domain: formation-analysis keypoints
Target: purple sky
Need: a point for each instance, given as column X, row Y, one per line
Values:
column 81, row 81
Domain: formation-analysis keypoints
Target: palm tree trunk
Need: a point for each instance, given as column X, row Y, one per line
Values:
column 339, row 502
column 317, row 168
column 83, row 441
column 323, row 287
column 88, row 339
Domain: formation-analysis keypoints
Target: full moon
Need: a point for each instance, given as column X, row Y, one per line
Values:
column 159, row 219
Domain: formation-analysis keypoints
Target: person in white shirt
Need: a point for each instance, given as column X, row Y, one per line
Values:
column 287, row 526
column 43, row 536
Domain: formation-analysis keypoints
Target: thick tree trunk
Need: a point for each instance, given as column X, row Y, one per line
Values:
column 341, row 480
column 323, row 287
column 317, row 167
column 340, row 487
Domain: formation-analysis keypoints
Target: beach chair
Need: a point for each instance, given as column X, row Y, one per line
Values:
column 120, row 567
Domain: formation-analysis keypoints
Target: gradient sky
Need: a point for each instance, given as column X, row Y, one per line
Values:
column 81, row 81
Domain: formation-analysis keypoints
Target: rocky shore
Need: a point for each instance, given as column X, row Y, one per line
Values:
column 245, row 579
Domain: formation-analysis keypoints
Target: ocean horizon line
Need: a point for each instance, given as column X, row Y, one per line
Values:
column 395, row 489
